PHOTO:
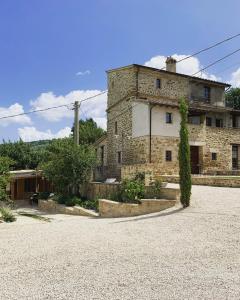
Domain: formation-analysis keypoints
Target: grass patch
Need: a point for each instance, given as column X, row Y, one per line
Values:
column 34, row 216
column 7, row 214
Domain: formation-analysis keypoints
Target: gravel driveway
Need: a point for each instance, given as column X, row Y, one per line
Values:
column 177, row 254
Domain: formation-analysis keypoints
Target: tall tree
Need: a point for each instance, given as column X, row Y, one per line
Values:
column 184, row 157
column 89, row 131
column 233, row 98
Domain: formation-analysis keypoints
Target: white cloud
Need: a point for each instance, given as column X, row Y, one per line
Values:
column 188, row 66
column 94, row 108
column 28, row 134
column 82, row 73
column 235, row 78
column 14, row 109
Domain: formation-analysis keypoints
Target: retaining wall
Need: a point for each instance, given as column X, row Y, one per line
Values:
column 112, row 209
column 222, row 181
column 53, row 207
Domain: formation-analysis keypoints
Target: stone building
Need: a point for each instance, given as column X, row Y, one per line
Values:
column 143, row 122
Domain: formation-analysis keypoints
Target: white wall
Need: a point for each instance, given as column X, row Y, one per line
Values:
column 159, row 125
column 140, row 119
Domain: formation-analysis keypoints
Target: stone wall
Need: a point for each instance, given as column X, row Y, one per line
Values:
column 112, row 209
column 219, row 140
column 53, row 207
column 223, row 181
column 172, row 86
column 121, row 84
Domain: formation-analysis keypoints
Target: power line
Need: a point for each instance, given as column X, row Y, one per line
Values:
column 216, row 61
column 206, row 49
column 227, row 68
column 49, row 108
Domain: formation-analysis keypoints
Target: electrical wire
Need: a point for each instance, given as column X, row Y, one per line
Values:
column 49, row 108
column 216, row 61
column 206, row 49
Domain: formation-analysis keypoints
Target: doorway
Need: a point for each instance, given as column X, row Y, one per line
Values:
column 194, row 158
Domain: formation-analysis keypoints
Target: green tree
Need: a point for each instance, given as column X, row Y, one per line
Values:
column 5, row 163
column 89, row 132
column 233, row 98
column 184, row 157
column 68, row 165
column 24, row 155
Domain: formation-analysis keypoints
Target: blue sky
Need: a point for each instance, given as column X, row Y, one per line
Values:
column 57, row 51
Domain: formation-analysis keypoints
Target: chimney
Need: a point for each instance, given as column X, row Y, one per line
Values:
column 171, row 64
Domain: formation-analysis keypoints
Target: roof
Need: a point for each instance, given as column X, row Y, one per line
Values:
column 24, row 173
column 102, row 138
column 172, row 73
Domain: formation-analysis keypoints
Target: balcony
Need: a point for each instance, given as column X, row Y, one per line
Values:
column 199, row 99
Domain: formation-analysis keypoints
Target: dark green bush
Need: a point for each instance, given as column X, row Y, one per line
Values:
column 60, row 199
column 88, row 204
column 70, row 201
column 43, row 195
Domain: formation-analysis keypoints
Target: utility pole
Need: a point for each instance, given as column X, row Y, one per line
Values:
column 76, row 122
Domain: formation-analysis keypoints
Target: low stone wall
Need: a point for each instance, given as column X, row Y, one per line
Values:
column 222, row 181
column 51, row 206
column 94, row 190
column 112, row 209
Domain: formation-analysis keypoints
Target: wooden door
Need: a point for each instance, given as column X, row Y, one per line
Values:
column 194, row 156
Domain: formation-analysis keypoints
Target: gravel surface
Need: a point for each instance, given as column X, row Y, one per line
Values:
column 177, row 254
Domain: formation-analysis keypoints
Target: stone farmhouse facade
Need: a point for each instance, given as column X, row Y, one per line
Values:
column 143, row 123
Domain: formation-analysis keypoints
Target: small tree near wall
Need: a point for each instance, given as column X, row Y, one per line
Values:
column 184, row 157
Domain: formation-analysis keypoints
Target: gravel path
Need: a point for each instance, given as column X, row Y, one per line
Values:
column 177, row 254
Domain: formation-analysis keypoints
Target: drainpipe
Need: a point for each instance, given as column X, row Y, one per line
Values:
column 150, row 133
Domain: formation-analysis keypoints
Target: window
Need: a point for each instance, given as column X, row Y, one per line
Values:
column 207, row 92
column 119, row 157
column 214, row 156
column 168, row 118
column 208, row 121
column 158, row 83
column 168, row 155
column 29, row 185
column 219, row 122
column 116, row 127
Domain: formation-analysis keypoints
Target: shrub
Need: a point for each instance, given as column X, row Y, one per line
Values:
column 60, row 199
column 7, row 215
column 88, row 204
column 132, row 190
column 43, row 195
column 70, row 201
